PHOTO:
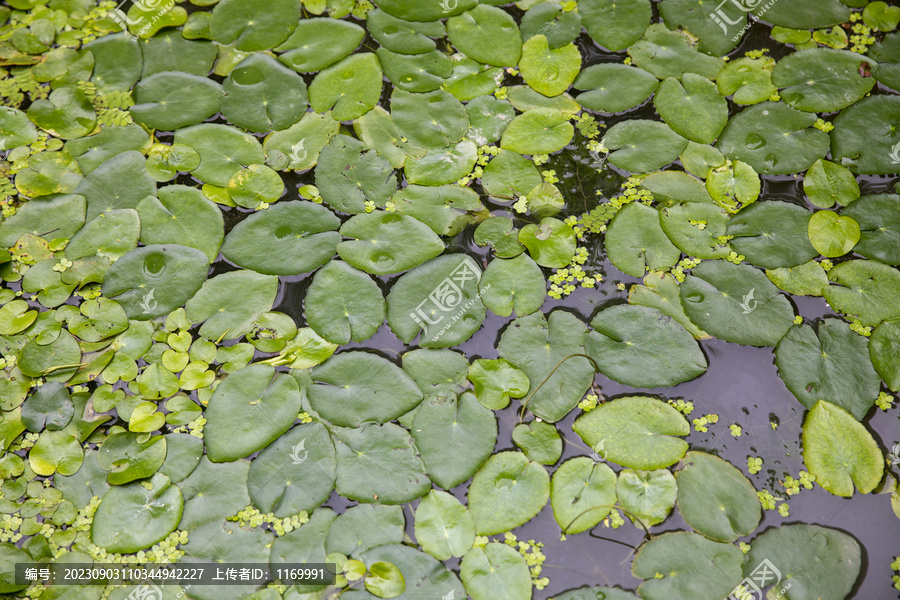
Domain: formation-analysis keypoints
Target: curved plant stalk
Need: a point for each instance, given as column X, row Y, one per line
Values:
column 634, row 517
column 49, row 370
column 546, row 379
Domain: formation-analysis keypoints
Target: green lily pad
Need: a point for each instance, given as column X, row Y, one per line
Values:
column 818, row 562
column 415, row 73
column 747, row 80
column 552, row 244
column 715, row 498
column 698, row 159
column 344, row 303
column 865, row 136
column 254, row 394
column 348, row 174
column 229, row 304
column 173, row 99
column 154, row 280
column 865, row 289
column 833, row 366
column 349, row 88
column 666, row 53
column 827, row 183
column 121, row 182
column 400, row 35
column 648, row 495
column 132, row 517
column 808, row 279
column 317, row 43
column 495, row 570
column 15, row 128
column 454, row 437
column 441, row 166
column 719, row 31
column 692, row 107
column 67, row 113
column 213, row 491
column 496, row 381
column 538, row 131
column 181, row 215
column 48, row 173
column 422, row 573
column 549, row 71
column 262, row 95
column 94, row 150
column 879, row 15
column 444, row 527
column 884, row 350
column 582, row 493
column 223, row 150
column 15, row 317
column 117, row 62
column 804, row 14
column 733, row 185
column 62, row 214
column 10, row 555
column 379, row 463
column 295, row 473
column 382, row 243
column 254, row 185
column 286, row 239
column 34, row 358
column 431, row 120
column 695, row 228
column 833, row 235
column 515, row 284
column 615, row 25
column 446, row 209
column 736, row 303
column 487, row 34
column 471, row 79
column 509, row 174
column 839, row 451
column 638, row 432
column 128, row 457
column 690, row 565
column 643, row 146
column 772, row 234
column 539, row 441
column 56, row 452
column 170, row 51
column 774, row 139
column 879, row 227
column 302, row 142
column 437, row 372
column 99, row 319
column 508, row 491
column 613, row 88
column 551, row 20
column 641, row 347
column 358, row 387
column 822, row 79
column 409, row 10
column 499, row 233
column 253, row 25
column 635, row 241
column 352, row 532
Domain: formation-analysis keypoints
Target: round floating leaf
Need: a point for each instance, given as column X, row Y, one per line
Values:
column 715, row 498
column 10, row 556
column 552, row 244
column 423, row 575
column 667, row 53
column 154, row 280
column 496, row 381
column 183, row 452
column 539, row 441
column 436, row 372
column 67, row 113
column 385, row 580
column 48, row 173
column 454, row 437
column 833, row 366
column 695, row 228
column 415, row 73
column 170, row 51
column 636, row 432
column 691, row 567
column 131, row 518
column 15, row 317
column 826, row 183
column 514, row 284
column 253, row 25
column 736, row 303
column 214, row 491
column 772, row 234
column 804, row 14
column 884, row 350
column 352, row 533
column 538, row 345
column 343, row 304
column 99, row 319
column 508, row 491
column 642, row 347
column 432, row 120
column 288, row 238
column 822, row 79
column 747, row 80
column 173, row 99
column 495, row 571
column 121, row 182
column 441, row 166
column 807, row 279
column 117, row 62
column 538, row 131
column 254, row 394
column 402, row 36
column 865, row 136
column 15, row 128
column 410, row 10
column 359, row 387
column 446, row 209
column 302, row 142
column 833, row 235
column 635, row 241
column 613, row 87
column 444, row 527
column 878, row 216
column 774, row 139
column 382, row 243
column 839, row 451
column 510, row 174
column 487, row 34
column 733, row 185
column 615, row 25
column 865, row 289
column 549, row 71
column 317, row 43
column 128, row 457
column 349, row 89
column 647, row 495
column 642, row 146
column 63, row 214
column 379, row 463
column 181, row 215
column 524, row 98
column 717, row 35
column 253, row 185
column 228, row 305
column 295, row 473
column 348, row 175
column 551, row 20
column 223, row 151
column 692, row 107
column 56, row 452
column 582, row 493
column 818, row 562
column 262, row 95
